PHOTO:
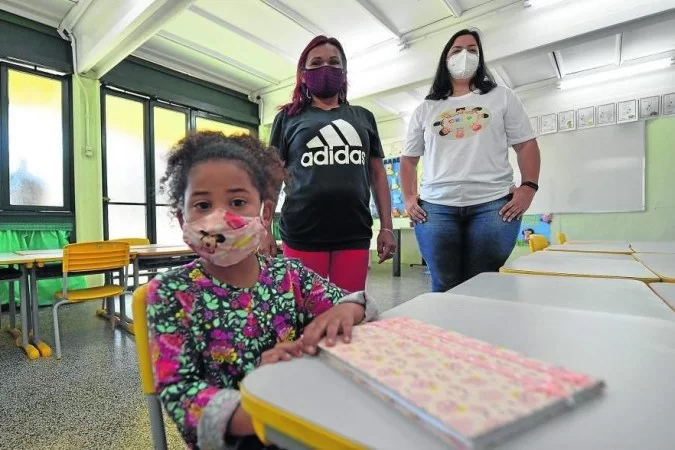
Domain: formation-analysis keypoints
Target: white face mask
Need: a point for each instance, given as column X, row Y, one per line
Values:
column 463, row 65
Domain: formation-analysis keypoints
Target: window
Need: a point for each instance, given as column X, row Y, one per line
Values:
column 138, row 135
column 35, row 148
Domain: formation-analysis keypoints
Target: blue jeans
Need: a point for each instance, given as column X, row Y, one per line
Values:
column 459, row 243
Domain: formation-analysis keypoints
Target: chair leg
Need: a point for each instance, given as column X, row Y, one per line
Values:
column 12, row 307
column 57, row 335
column 156, row 423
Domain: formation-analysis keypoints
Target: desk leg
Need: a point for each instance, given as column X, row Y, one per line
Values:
column 396, row 266
column 25, row 306
column 137, row 272
column 42, row 347
column 12, row 328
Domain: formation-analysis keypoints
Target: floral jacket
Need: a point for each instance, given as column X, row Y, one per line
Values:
column 205, row 336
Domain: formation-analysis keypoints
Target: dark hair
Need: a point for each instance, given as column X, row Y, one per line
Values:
column 442, row 86
column 528, row 229
column 262, row 163
column 301, row 97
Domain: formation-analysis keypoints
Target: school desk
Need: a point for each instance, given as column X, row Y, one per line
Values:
column 592, row 241
column 653, row 247
column 583, row 255
column 591, row 248
column 306, row 404
column 662, row 264
column 578, row 267
column 666, row 291
column 629, row 297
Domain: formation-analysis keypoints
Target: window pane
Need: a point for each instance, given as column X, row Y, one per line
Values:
column 170, row 127
column 168, row 230
column 214, row 125
column 125, row 150
column 126, row 221
column 35, row 140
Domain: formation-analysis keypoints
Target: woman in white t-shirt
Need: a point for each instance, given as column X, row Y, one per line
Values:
column 467, row 213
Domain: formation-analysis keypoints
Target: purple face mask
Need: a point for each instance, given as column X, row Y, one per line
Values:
column 324, row 81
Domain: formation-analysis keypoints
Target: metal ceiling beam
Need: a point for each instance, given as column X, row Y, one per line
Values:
column 380, row 17
column 296, row 17
column 217, row 56
column 454, row 7
column 501, row 74
column 104, row 32
column 559, row 63
column 243, row 33
column 618, row 49
column 555, row 64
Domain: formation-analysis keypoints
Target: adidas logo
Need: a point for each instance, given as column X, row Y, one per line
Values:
column 336, row 143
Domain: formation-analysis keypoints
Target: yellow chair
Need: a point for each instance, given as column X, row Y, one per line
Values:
column 89, row 257
column 562, row 238
column 537, row 242
column 145, row 367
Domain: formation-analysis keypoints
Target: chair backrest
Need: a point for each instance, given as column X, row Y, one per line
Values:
column 138, row 306
column 133, row 241
column 95, row 256
column 537, row 242
column 562, row 238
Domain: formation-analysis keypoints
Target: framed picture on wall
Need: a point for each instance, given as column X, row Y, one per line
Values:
column 669, row 104
column 549, row 123
column 534, row 123
column 606, row 114
column 650, row 107
column 627, row 111
column 566, row 121
column 586, row 117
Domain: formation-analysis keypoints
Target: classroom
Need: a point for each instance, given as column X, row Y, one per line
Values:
column 337, row 224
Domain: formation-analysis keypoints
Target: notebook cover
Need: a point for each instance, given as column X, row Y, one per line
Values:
column 469, row 393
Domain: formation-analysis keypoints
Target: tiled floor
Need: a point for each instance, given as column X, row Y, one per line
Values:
column 91, row 399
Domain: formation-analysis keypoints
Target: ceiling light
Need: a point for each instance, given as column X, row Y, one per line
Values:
column 621, row 72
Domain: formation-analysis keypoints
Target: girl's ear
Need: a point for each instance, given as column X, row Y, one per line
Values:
column 267, row 213
column 179, row 216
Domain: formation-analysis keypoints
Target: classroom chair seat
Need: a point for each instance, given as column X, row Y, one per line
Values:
column 537, row 242
column 89, row 257
column 80, row 295
column 562, row 238
column 138, row 307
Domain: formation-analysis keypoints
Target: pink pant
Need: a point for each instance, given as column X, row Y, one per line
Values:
column 344, row 268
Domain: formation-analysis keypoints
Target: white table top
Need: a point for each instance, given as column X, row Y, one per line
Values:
column 583, row 255
column 591, row 248
column 632, row 354
column 591, row 241
column 591, row 294
column 599, row 268
column 653, row 247
column 662, row 264
column 666, row 291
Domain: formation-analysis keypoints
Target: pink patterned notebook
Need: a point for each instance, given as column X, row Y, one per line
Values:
column 470, row 393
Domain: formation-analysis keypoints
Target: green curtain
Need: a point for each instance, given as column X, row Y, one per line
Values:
column 36, row 237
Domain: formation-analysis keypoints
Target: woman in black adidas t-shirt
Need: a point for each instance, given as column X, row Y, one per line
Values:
column 334, row 155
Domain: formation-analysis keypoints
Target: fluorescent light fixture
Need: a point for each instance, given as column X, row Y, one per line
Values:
column 616, row 74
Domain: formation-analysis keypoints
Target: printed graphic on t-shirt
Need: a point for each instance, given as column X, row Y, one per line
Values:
column 336, row 143
column 462, row 123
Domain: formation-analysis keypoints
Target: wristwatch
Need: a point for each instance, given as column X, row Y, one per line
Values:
column 530, row 184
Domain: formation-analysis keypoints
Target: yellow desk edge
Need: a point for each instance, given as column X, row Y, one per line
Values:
column 557, row 274
column 264, row 414
column 615, row 252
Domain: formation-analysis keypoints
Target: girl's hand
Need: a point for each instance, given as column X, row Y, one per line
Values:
column 386, row 245
column 415, row 211
column 521, row 201
column 338, row 319
column 283, row 351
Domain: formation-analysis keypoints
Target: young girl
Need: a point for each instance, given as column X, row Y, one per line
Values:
column 217, row 319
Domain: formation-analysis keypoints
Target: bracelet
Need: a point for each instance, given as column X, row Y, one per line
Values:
column 387, row 229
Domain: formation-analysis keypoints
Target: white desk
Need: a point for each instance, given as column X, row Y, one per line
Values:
column 591, row 248
column 653, row 247
column 632, row 354
column 599, row 241
column 590, row 294
column 662, row 264
column 583, row 255
column 578, row 267
column 666, row 291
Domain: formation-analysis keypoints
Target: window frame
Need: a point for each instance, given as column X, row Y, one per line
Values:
column 149, row 105
column 28, row 213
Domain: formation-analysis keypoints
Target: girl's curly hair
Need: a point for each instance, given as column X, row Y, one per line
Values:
column 262, row 163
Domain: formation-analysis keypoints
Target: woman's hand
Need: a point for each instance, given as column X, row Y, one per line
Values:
column 268, row 246
column 339, row 319
column 415, row 211
column 386, row 245
column 283, row 351
column 521, row 201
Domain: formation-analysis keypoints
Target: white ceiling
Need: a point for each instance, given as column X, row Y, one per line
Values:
column 252, row 45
